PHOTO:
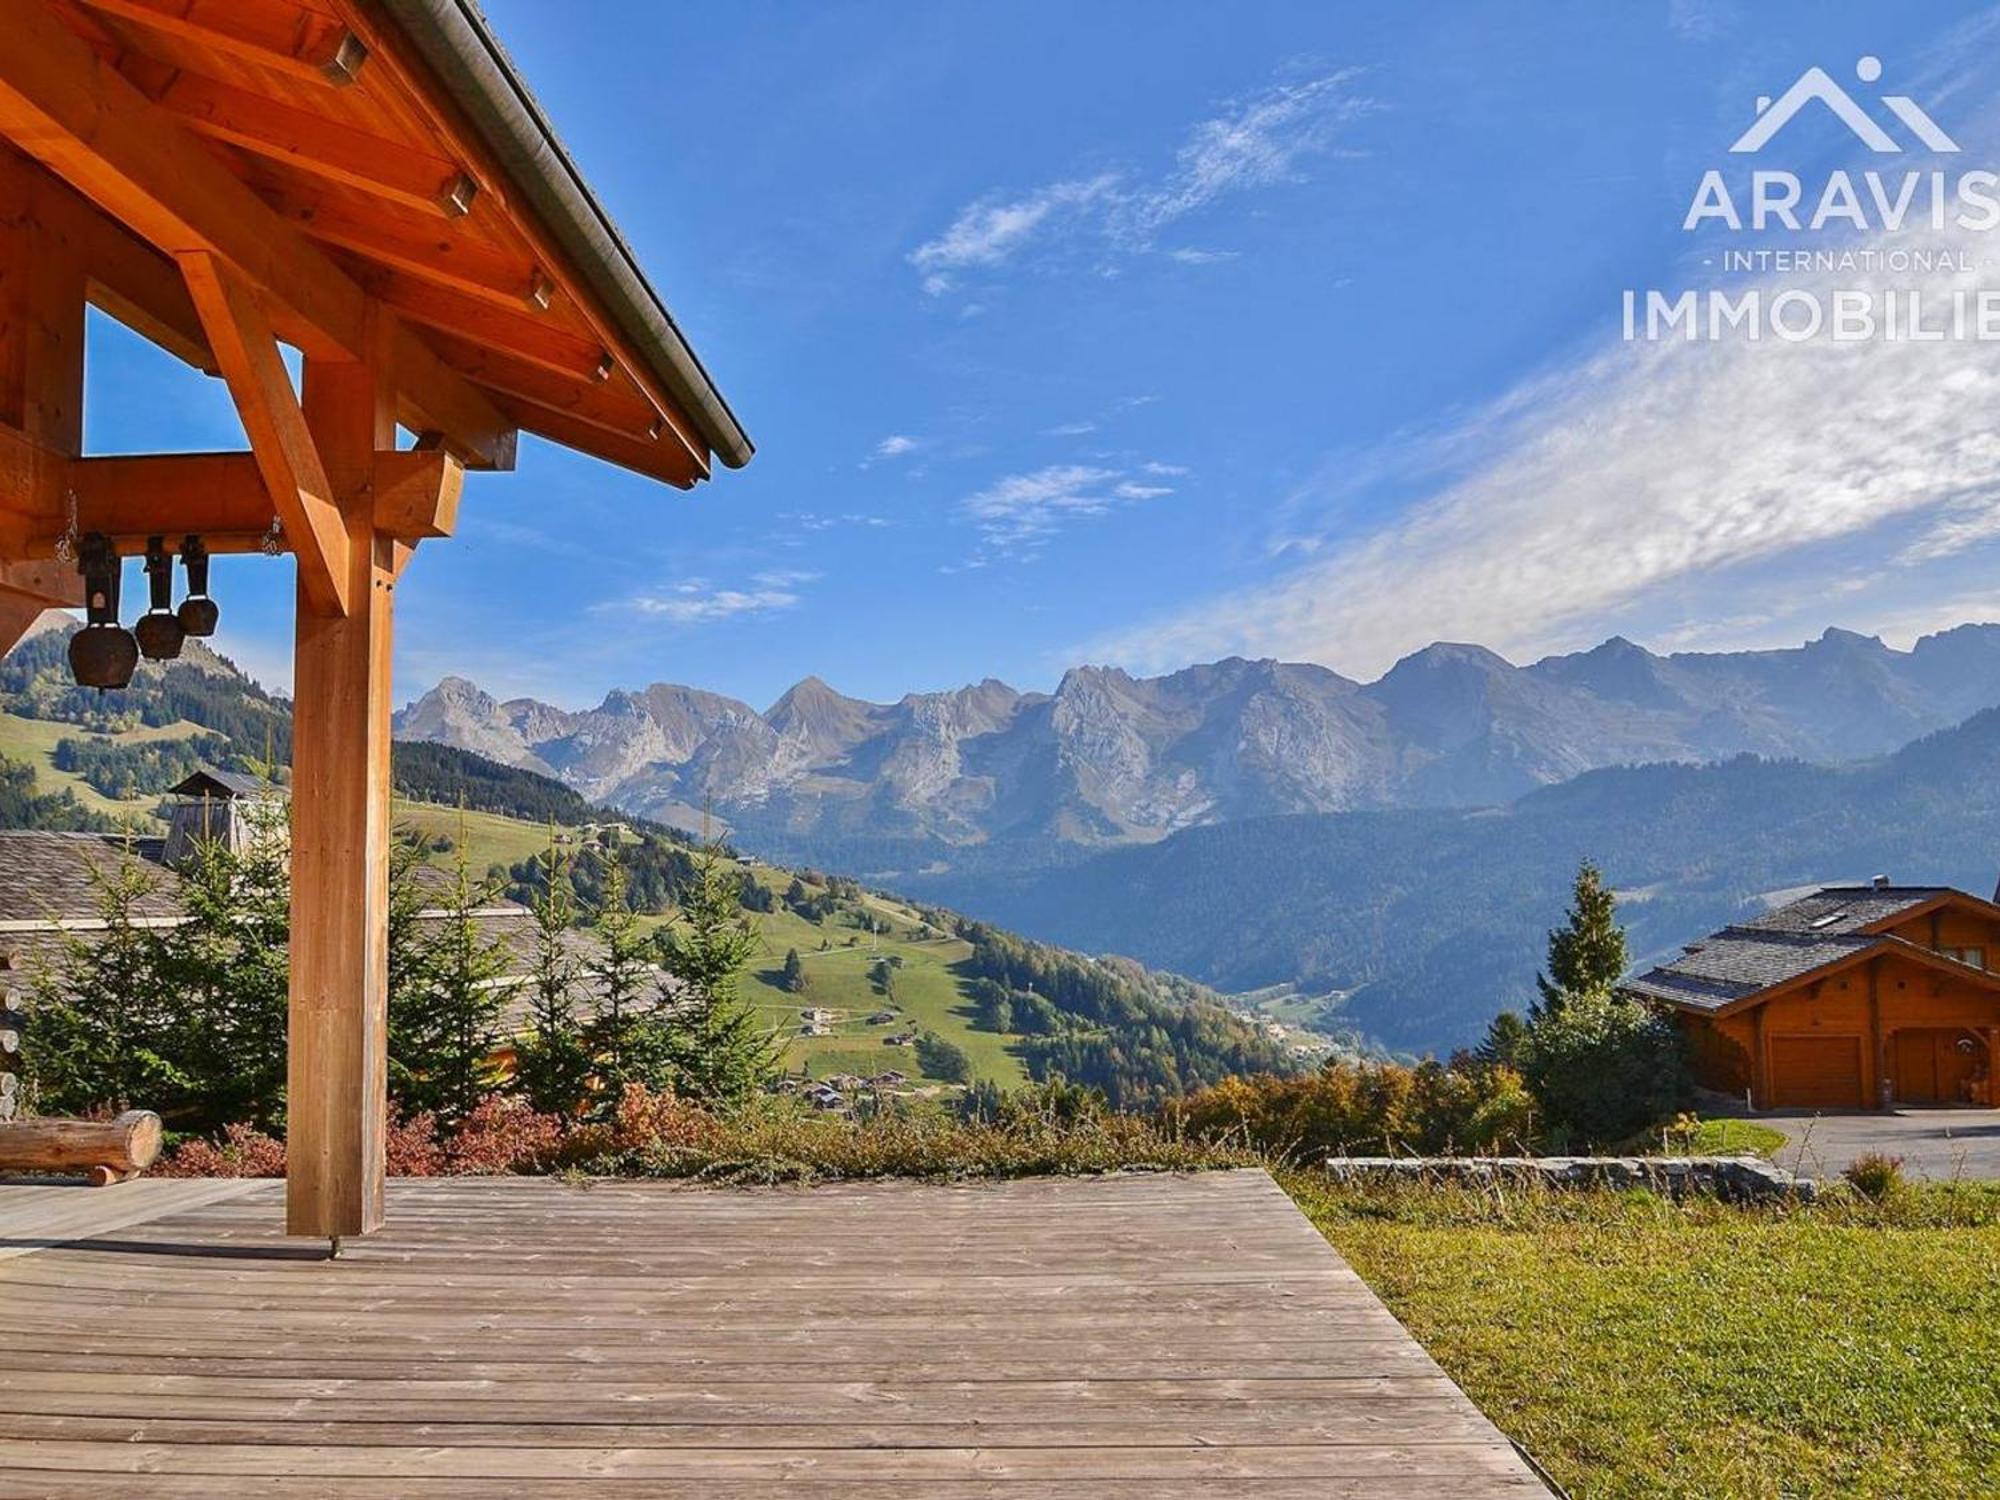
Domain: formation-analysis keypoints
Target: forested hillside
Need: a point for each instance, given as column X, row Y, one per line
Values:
column 1432, row 921
column 893, row 986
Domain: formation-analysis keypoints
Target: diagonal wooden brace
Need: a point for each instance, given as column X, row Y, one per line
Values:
column 247, row 352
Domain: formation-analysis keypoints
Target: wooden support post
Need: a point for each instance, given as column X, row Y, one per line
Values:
column 337, row 1097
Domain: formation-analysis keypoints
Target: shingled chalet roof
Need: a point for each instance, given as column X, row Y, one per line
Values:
column 47, row 893
column 46, row 877
column 1835, row 924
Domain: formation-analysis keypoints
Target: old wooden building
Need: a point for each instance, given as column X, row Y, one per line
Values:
column 1853, row 997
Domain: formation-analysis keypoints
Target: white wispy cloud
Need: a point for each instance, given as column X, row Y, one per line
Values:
column 1017, row 515
column 897, row 445
column 989, row 232
column 808, row 520
column 1253, row 143
column 1658, row 481
column 697, row 601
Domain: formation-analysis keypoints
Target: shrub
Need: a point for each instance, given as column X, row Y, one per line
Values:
column 652, row 1134
column 1357, row 1108
column 1875, row 1176
column 1604, row 1068
column 243, row 1151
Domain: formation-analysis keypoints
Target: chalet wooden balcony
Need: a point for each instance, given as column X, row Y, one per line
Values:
column 1134, row 1338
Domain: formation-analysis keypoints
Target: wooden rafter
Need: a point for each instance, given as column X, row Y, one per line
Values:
column 247, row 351
column 658, row 457
column 62, row 102
column 392, row 57
column 308, row 141
column 611, row 404
column 291, row 39
column 402, row 238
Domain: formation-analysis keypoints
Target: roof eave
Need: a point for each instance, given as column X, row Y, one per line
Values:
column 1883, row 944
column 461, row 50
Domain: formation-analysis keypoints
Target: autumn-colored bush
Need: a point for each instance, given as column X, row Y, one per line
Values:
column 1365, row 1108
column 243, row 1151
column 768, row 1140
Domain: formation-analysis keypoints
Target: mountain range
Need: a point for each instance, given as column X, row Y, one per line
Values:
column 959, row 780
column 1416, row 926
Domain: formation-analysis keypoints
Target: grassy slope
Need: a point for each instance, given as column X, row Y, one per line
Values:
column 34, row 742
column 928, row 994
column 1636, row 1349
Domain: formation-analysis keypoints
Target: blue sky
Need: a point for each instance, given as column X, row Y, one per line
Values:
column 1154, row 332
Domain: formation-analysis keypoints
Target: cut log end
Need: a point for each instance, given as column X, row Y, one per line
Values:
column 106, row 1151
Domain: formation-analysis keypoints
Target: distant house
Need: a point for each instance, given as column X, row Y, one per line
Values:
column 889, row 1080
column 900, row 1039
column 1853, row 997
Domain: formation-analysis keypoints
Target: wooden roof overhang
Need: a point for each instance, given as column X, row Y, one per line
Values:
column 1884, row 946
column 221, row 174
column 369, row 182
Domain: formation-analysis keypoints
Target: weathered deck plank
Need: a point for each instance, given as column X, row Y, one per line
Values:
column 1166, row 1337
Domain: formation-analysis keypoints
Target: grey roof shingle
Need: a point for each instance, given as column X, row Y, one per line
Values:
column 1794, row 939
column 1844, row 908
column 49, row 875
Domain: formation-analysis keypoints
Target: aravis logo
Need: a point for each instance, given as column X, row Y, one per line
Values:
column 1878, row 223
column 1816, row 86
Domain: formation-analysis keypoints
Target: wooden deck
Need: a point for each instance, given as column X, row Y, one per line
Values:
column 1135, row 1338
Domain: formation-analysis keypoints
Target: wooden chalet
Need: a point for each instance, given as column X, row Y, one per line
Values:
column 370, row 182
column 1853, row 997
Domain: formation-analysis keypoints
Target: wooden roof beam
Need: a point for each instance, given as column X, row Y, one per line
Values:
column 247, row 351
column 417, row 492
column 613, row 405
column 397, row 237
column 312, row 143
column 291, row 39
column 661, row 458
column 86, row 121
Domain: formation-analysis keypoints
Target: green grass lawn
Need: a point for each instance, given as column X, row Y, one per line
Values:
column 1636, row 1348
column 1734, row 1138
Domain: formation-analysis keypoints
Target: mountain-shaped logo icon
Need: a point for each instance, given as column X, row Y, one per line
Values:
column 1773, row 115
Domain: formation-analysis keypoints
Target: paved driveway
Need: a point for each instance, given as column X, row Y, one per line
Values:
column 1934, row 1143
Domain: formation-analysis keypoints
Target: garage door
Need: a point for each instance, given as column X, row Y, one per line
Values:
column 1816, row 1072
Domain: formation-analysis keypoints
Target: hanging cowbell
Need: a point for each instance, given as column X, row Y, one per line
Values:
column 198, row 613
column 158, row 631
column 103, row 654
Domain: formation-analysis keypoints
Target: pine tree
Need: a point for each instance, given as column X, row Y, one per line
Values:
column 1587, row 953
column 101, row 1010
column 626, row 1036
column 1506, row 1041
column 794, row 976
column 225, row 971
column 722, row 1053
column 443, row 1035
column 553, row 1064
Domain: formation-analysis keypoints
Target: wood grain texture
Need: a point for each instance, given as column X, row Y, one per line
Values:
column 1144, row 1336
column 337, row 1075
